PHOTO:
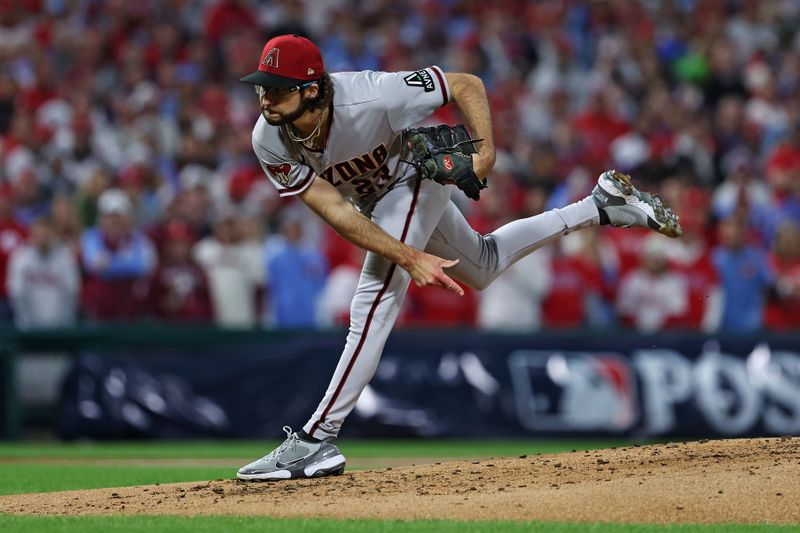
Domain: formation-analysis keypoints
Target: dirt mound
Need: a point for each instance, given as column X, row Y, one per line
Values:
column 738, row 481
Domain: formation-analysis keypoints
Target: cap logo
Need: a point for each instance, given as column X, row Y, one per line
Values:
column 310, row 72
column 272, row 58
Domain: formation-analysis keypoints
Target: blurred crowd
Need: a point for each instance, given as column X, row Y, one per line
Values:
column 129, row 190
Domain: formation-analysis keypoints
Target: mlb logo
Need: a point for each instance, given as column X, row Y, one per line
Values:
column 573, row 391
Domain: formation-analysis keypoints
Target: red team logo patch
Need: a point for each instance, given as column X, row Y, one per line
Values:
column 447, row 162
column 280, row 172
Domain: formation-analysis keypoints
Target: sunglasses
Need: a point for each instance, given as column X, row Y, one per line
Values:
column 278, row 93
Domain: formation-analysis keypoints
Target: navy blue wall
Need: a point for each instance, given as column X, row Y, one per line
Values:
column 447, row 384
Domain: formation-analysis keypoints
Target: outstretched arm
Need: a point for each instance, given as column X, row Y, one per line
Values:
column 470, row 96
column 341, row 215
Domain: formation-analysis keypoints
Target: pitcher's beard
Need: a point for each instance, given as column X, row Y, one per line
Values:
column 287, row 118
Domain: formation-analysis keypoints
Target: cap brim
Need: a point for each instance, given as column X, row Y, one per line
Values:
column 269, row 80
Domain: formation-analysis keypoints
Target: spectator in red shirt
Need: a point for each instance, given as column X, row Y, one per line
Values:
column 783, row 175
column 691, row 256
column 627, row 244
column 652, row 297
column 425, row 307
column 228, row 16
column 597, row 126
column 783, row 309
column 580, row 283
column 43, row 90
column 178, row 289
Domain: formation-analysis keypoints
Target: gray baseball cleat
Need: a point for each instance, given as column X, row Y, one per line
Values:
column 627, row 207
column 296, row 458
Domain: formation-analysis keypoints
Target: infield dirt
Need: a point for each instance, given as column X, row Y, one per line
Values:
column 732, row 481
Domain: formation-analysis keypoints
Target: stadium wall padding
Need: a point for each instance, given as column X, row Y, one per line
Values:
column 165, row 383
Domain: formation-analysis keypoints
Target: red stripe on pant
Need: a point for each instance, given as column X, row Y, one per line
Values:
column 371, row 313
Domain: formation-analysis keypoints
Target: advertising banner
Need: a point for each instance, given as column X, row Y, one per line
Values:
column 450, row 384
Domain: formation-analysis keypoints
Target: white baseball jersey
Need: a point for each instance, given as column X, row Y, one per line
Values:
column 362, row 160
column 363, row 151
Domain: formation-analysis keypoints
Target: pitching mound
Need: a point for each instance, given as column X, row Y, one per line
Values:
column 740, row 481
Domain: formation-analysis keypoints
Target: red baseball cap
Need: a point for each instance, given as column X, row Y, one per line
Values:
column 287, row 61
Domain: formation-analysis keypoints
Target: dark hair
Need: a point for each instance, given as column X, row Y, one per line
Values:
column 324, row 94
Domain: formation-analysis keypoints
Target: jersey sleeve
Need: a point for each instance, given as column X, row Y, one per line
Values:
column 413, row 96
column 289, row 176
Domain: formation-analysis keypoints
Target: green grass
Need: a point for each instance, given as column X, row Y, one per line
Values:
column 148, row 524
column 251, row 449
column 22, row 478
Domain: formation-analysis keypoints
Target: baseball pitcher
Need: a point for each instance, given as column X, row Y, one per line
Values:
column 345, row 144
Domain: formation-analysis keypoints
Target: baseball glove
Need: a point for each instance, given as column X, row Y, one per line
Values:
column 444, row 154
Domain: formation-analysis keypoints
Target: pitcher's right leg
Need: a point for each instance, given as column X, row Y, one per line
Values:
column 377, row 302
